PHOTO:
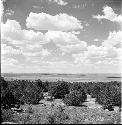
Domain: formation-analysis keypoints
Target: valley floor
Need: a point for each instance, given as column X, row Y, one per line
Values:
column 55, row 112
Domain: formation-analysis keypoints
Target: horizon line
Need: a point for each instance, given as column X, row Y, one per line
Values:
column 55, row 73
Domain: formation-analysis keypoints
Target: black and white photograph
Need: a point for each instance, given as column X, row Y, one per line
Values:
column 61, row 61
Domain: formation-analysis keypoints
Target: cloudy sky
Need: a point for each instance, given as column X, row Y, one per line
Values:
column 61, row 36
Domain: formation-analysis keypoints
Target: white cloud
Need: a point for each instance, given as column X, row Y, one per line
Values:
column 61, row 38
column 101, row 52
column 80, row 58
column 9, row 12
column 9, row 50
column 45, row 52
column 108, row 62
column 87, row 24
column 66, row 41
column 31, row 43
column 43, row 21
column 110, row 15
column 36, row 57
column 1, row 9
column 109, row 51
column 59, row 2
column 11, row 30
column 96, row 54
column 28, row 42
column 42, row 53
column 76, row 48
column 96, row 40
column 33, row 47
column 76, row 32
column 36, row 7
column 114, row 38
column 8, row 62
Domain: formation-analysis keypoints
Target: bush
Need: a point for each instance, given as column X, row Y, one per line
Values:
column 75, row 98
column 31, row 96
column 116, row 95
column 8, row 99
column 59, row 89
column 29, row 109
column 6, row 115
column 109, row 96
column 58, row 117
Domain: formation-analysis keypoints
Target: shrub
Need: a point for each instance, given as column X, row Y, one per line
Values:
column 59, row 89
column 8, row 99
column 75, row 98
column 116, row 95
column 51, row 119
column 29, row 109
column 45, row 86
column 58, row 117
column 109, row 96
column 6, row 115
column 31, row 96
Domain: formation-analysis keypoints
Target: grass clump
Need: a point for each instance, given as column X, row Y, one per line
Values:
column 57, row 117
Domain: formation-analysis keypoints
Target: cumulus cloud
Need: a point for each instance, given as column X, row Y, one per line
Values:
column 45, row 52
column 11, row 30
column 74, row 48
column 8, row 62
column 96, row 40
column 9, row 12
column 76, row 32
column 42, row 53
column 61, row 38
column 59, row 2
column 101, row 52
column 28, row 43
column 66, row 41
column 108, row 62
column 43, row 21
column 110, row 15
column 1, row 9
column 9, row 50
column 96, row 54
column 114, row 38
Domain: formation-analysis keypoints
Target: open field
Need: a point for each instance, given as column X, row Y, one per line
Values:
column 65, row 77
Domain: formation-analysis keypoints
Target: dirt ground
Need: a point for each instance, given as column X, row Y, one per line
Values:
column 89, row 113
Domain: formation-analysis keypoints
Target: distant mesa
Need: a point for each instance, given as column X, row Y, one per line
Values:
column 114, row 77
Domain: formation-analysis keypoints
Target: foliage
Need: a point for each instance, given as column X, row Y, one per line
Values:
column 6, row 115
column 57, row 117
column 29, row 109
column 31, row 95
column 59, row 89
column 75, row 98
column 19, row 92
column 7, row 97
column 109, row 96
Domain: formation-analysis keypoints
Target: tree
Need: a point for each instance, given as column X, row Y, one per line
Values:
column 75, row 98
column 59, row 89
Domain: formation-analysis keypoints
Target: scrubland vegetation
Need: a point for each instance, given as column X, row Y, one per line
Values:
column 24, row 92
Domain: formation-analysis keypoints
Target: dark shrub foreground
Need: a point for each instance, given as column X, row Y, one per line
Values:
column 6, row 115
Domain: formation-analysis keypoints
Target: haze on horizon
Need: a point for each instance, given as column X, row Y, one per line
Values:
column 61, row 36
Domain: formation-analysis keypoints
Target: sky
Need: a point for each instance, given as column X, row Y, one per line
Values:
column 61, row 36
